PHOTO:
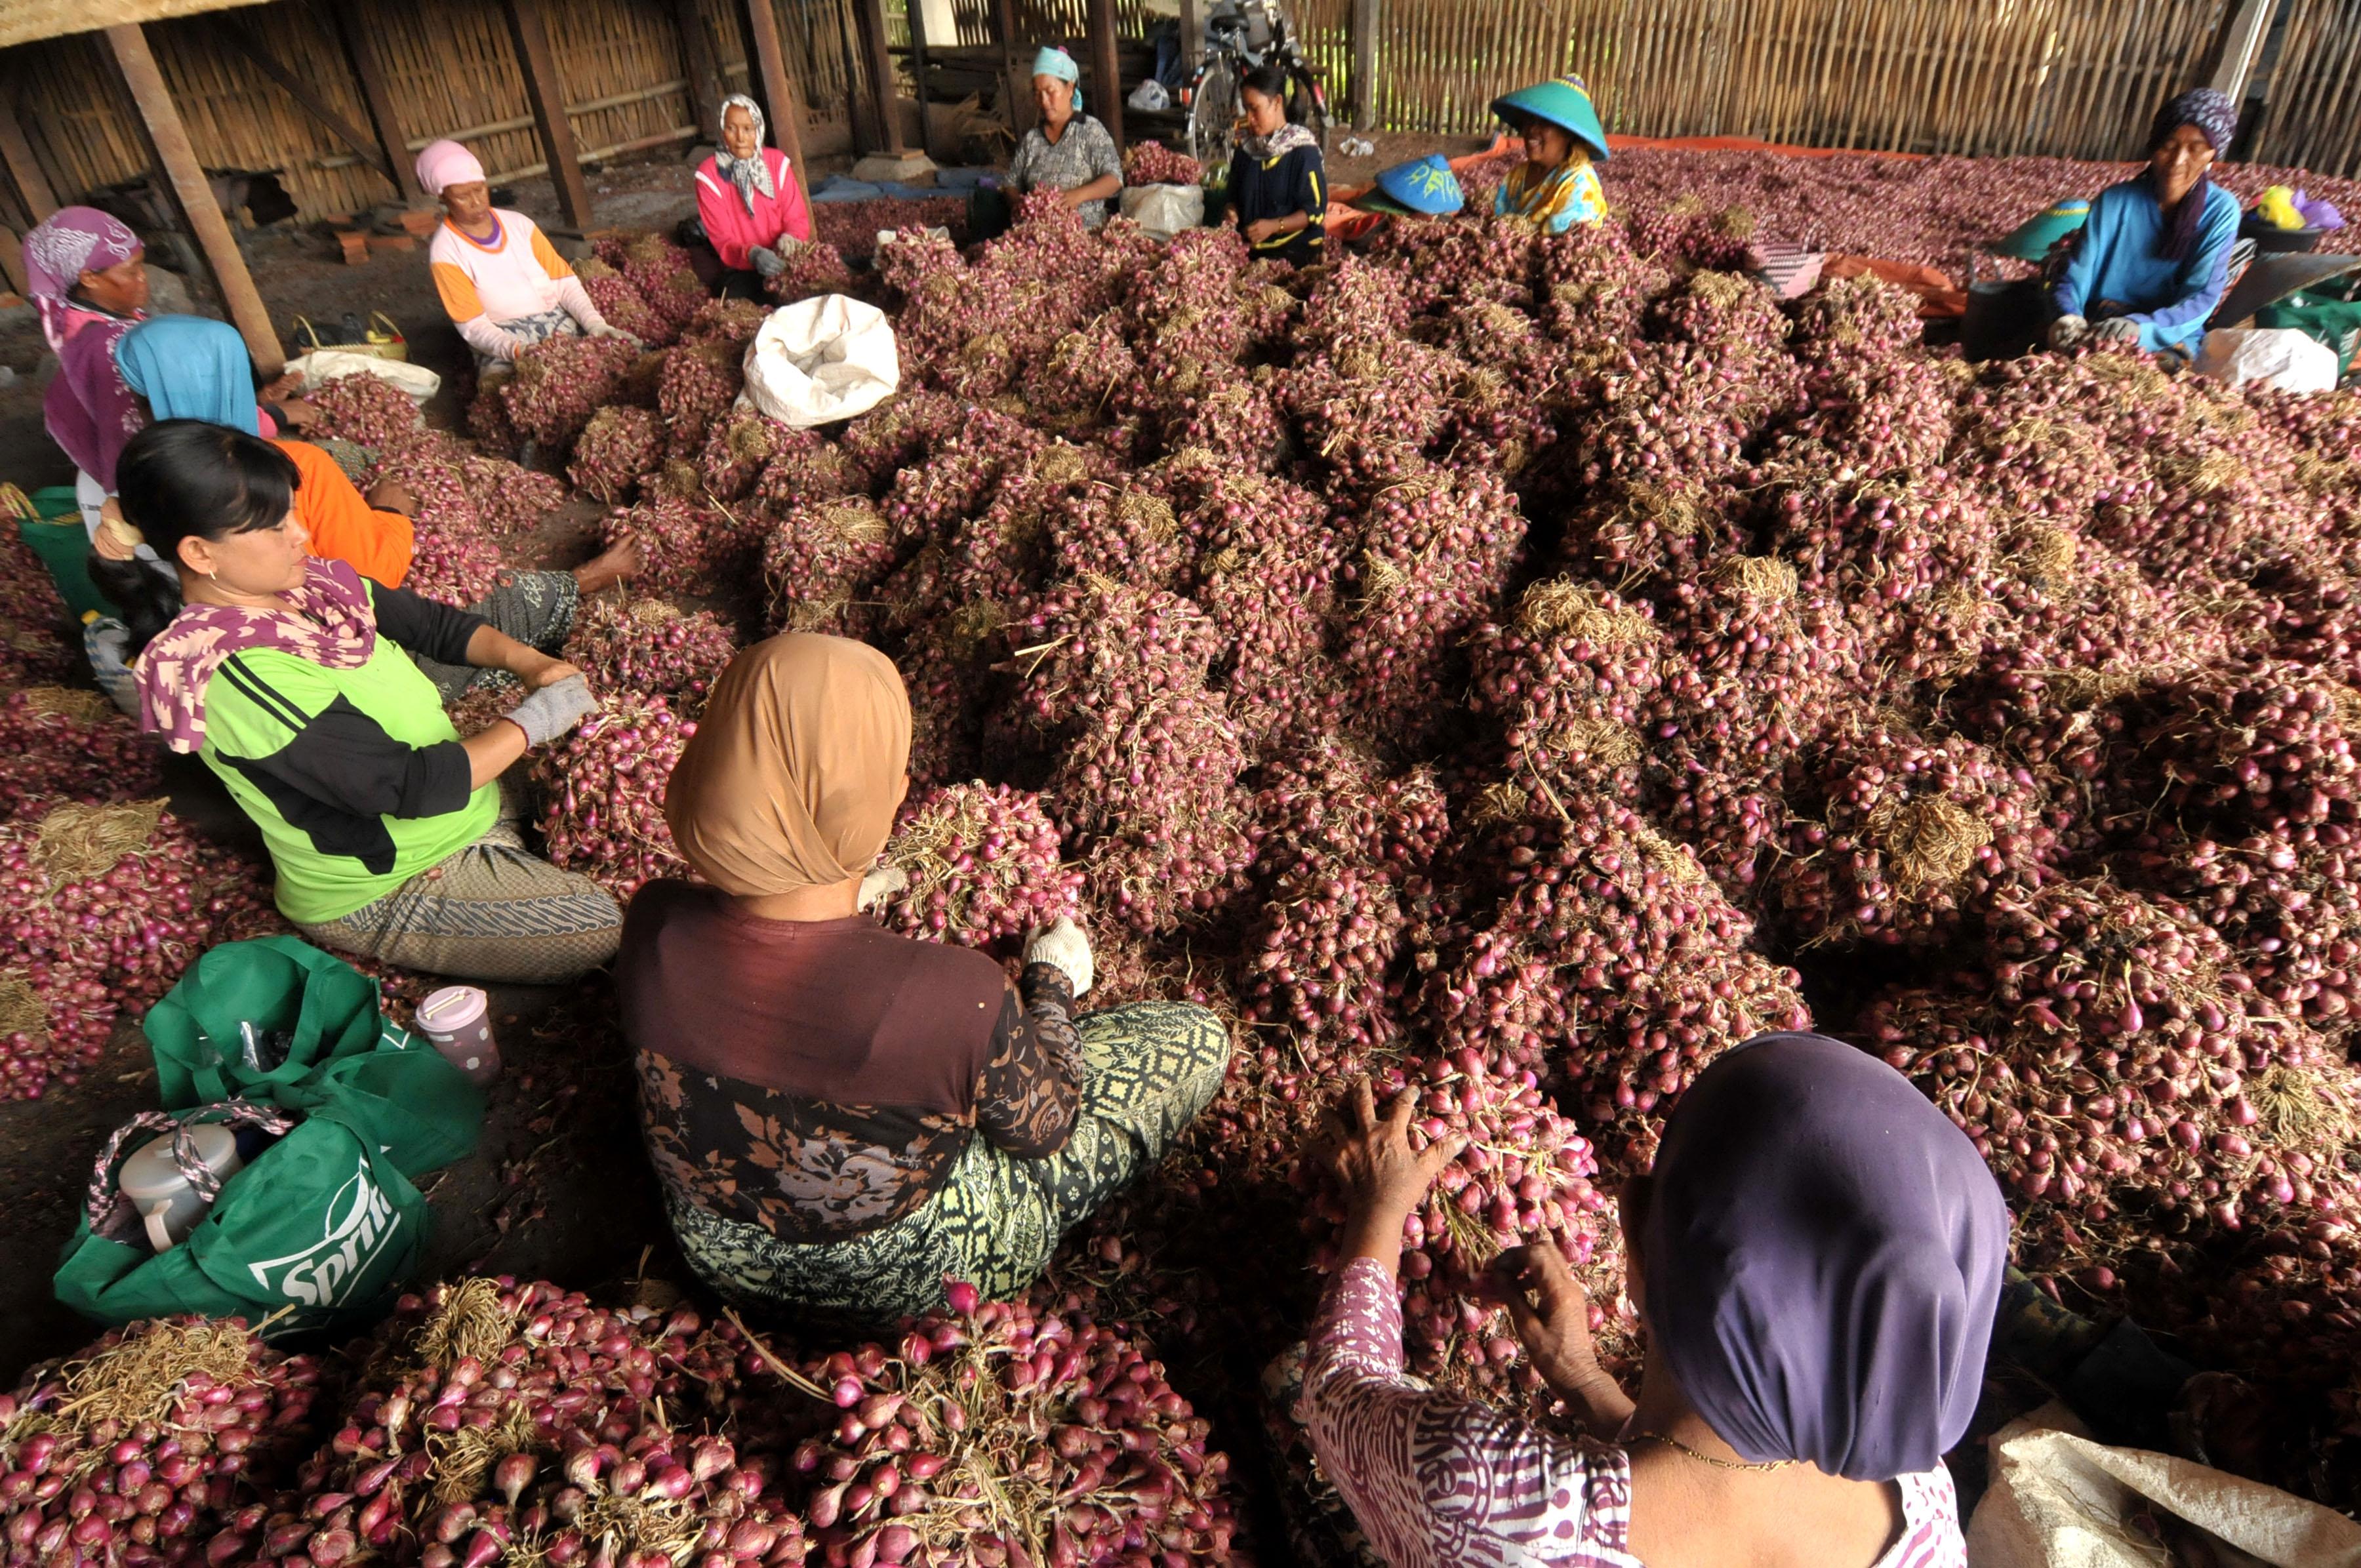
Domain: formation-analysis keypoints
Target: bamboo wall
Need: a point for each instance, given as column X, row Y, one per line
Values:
column 450, row 67
column 2067, row 77
column 2315, row 120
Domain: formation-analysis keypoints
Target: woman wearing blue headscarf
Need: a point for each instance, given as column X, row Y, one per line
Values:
column 1069, row 151
column 1817, row 1256
column 2154, row 259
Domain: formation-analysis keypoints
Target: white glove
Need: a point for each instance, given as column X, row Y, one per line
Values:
column 1064, row 946
column 2116, row 333
column 766, row 261
column 2067, row 331
column 604, row 330
column 551, row 711
column 881, row 884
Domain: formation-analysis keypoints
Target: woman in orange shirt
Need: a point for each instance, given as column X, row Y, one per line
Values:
column 192, row 367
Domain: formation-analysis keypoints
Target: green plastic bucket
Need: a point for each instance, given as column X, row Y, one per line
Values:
column 64, row 549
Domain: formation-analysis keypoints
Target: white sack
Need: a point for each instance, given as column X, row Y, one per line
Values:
column 2278, row 357
column 323, row 365
column 823, row 359
column 1165, row 210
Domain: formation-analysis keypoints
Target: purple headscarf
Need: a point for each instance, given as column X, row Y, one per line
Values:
column 1824, row 1253
column 2216, row 119
column 68, row 243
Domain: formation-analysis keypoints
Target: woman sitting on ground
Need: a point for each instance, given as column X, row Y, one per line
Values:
column 1278, row 186
column 1816, row 1257
column 1069, row 151
column 844, row 1119
column 503, row 283
column 292, row 678
column 194, row 369
column 2153, row 260
column 1556, row 186
column 750, row 203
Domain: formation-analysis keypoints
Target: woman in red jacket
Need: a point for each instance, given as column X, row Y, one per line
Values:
column 750, row 203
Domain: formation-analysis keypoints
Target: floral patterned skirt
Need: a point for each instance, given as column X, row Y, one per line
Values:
column 1153, row 1067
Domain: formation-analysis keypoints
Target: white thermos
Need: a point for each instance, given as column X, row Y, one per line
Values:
column 168, row 1204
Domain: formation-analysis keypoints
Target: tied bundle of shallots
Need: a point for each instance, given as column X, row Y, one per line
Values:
column 605, row 785
column 652, row 647
column 982, row 862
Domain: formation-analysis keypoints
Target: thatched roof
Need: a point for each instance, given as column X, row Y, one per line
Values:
column 22, row 21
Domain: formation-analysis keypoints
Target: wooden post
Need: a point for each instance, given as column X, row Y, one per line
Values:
column 243, row 40
column 1106, row 78
column 12, row 259
column 2240, row 46
column 706, row 89
column 1192, row 39
column 362, row 53
column 870, row 17
column 546, row 91
column 766, row 73
column 185, row 178
column 918, row 14
column 24, row 170
column 1020, row 83
column 1365, row 64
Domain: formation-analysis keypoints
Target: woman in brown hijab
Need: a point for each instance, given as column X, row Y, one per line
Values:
column 845, row 1120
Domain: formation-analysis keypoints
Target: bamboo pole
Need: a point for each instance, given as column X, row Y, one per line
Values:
column 546, row 91
column 916, row 13
column 24, row 169
column 1003, row 27
column 243, row 40
column 360, row 52
column 869, row 17
column 176, row 159
column 1365, row 63
column 706, row 87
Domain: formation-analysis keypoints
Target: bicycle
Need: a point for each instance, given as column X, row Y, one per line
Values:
column 1240, row 37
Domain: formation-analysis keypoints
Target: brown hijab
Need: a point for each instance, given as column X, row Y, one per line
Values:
column 793, row 775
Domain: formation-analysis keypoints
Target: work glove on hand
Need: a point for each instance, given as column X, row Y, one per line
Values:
column 768, row 262
column 554, row 710
column 2068, row 331
column 880, row 885
column 1064, row 946
column 2116, row 334
column 604, row 330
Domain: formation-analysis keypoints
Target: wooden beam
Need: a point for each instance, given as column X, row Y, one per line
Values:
column 706, row 88
column 2240, row 46
column 1107, row 79
column 1013, row 67
column 1365, row 64
column 546, row 91
column 766, row 58
column 242, row 38
column 184, row 179
column 24, row 169
column 1192, row 39
column 360, row 52
column 11, row 259
column 917, row 11
column 868, row 15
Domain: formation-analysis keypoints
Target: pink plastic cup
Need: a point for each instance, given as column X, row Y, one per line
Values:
column 457, row 1020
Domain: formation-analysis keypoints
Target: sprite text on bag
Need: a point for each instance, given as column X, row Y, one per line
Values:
column 322, row 1275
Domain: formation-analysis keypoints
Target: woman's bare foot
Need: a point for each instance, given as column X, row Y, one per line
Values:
column 622, row 561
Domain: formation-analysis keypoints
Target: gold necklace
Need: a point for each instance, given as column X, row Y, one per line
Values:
column 1676, row 1444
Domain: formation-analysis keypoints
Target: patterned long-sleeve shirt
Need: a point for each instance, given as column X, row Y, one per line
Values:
column 821, row 1079
column 1438, row 1482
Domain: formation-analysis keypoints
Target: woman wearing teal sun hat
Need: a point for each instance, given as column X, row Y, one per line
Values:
column 1556, row 186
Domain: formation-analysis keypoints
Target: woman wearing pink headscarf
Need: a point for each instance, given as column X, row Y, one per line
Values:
column 84, row 272
column 503, row 282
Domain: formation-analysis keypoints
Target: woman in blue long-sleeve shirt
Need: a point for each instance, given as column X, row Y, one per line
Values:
column 2154, row 259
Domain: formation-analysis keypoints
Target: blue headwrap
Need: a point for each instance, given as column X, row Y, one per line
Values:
column 1823, row 1253
column 191, row 368
column 1056, row 62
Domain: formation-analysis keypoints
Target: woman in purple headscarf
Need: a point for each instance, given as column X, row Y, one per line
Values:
column 2154, row 259
column 1817, row 1259
column 85, row 274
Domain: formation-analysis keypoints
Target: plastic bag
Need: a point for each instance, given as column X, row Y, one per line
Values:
column 823, row 359
column 2280, row 357
column 320, row 1226
column 2060, row 1500
column 1165, row 210
column 1149, row 97
column 323, row 365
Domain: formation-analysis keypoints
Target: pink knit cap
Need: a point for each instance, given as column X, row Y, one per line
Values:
column 445, row 162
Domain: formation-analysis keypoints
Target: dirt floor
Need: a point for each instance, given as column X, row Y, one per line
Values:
column 557, row 1188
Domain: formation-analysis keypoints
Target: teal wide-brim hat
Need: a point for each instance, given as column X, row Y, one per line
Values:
column 1563, row 102
column 2031, row 240
column 1423, row 186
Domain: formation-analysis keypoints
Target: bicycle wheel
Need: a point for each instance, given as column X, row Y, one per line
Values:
column 1214, row 109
